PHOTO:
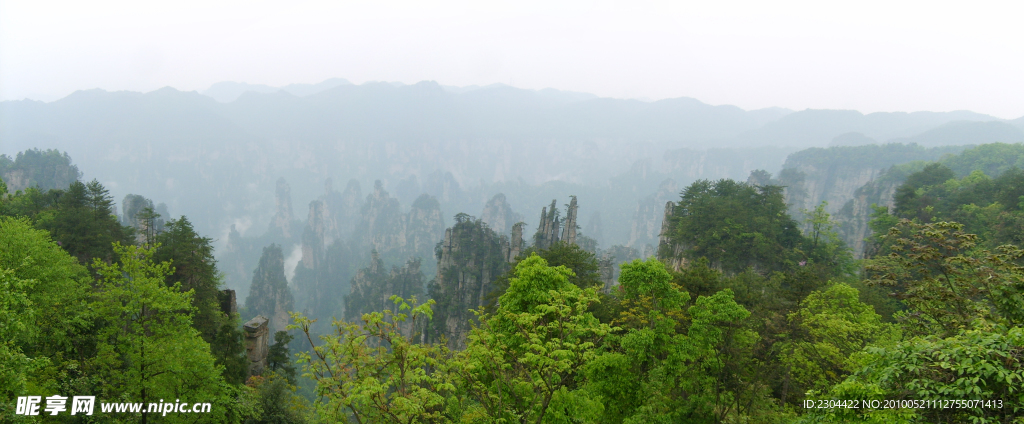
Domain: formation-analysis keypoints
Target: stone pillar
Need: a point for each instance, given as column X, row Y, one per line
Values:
column 668, row 252
column 516, row 245
column 257, row 336
column 228, row 304
column 569, row 231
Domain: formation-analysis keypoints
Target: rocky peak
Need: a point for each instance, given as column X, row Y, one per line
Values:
column 381, row 223
column 469, row 258
column 373, row 286
column 346, row 208
column 424, row 227
column 443, row 186
column 547, row 228
column 317, row 235
column 515, row 246
column 668, row 252
column 269, row 294
column 257, row 336
column 283, row 201
column 550, row 221
column 498, row 214
column 569, row 229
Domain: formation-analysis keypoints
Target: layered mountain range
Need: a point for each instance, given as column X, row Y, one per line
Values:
column 220, row 157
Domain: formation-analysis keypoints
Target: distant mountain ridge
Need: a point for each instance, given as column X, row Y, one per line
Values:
column 229, row 91
column 218, row 161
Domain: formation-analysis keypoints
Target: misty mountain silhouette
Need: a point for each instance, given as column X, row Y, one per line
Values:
column 167, row 143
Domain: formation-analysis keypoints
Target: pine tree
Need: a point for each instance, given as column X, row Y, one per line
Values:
column 195, row 270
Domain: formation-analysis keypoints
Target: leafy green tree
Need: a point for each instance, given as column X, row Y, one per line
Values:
column 823, row 245
column 374, row 285
column 44, row 169
column 989, row 205
column 523, row 363
column 276, row 402
column 45, row 319
column 373, row 373
column 149, row 225
column 910, row 203
column 880, row 223
column 81, row 219
column 584, row 265
column 963, row 326
column 945, row 282
column 735, row 226
column 16, row 313
column 279, row 357
column 831, row 326
column 147, row 347
column 652, row 314
column 195, row 270
column 978, row 364
column 673, row 363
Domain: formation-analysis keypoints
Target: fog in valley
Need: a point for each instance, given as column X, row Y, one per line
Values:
column 244, row 162
column 674, row 160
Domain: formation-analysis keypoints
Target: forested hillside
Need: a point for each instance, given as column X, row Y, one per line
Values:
column 368, row 311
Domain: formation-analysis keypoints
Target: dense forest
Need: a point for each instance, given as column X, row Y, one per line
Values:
column 843, row 289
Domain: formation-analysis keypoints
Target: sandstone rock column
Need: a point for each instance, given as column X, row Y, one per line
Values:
column 257, row 335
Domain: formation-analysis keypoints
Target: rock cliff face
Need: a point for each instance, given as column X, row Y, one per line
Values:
column 515, row 245
column 344, row 207
column 809, row 185
column 257, row 336
column 339, row 236
column 423, row 228
column 269, row 295
column 569, row 228
column 241, row 253
column 550, row 222
column 647, row 220
column 319, row 233
column 283, row 217
column 854, row 216
column 398, row 237
column 332, row 218
column 668, row 252
column 547, row 226
column 469, row 258
column 381, row 224
column 373, row 286
column 850, row 179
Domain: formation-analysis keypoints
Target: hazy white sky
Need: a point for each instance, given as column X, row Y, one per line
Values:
column 864, row 55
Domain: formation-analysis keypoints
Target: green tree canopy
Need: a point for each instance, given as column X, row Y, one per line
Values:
column 735, row 226
column 195, row 270
column 147, row 347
